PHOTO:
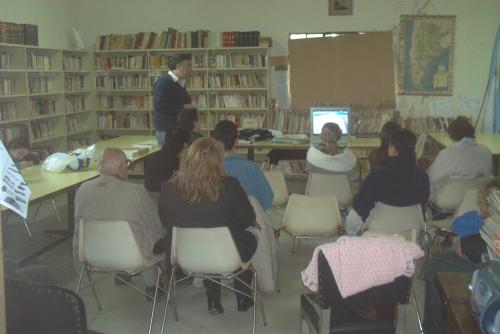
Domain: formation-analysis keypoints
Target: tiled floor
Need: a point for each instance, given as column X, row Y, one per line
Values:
column 126, row 311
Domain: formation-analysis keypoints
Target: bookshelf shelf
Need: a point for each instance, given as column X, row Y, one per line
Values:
column 48, row 72
column 78, row 112
column 45, row 94
column 124, row 129
column 237, row 89
column 36, row 118
column 211, row 69
column 75, row 72
column 110, row 91
column 77, row 92
column 78, row 132
column 45, row 139
column 11, row 121
column 12, row 70
column 12, row 96
column 119, row 70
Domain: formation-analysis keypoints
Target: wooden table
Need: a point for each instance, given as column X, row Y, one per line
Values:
column 454, row 289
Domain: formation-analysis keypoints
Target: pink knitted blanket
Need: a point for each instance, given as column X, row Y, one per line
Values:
column 360, row 263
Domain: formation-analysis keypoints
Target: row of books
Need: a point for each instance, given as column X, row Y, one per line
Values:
column 7, row 86
column 122, row 82
column 74, row 83
column 289, row 122
column 427, row 124
column 41, row 130
column 199, row 100
column 72, row 63
column 43, row 152
column 173, row 39
column 131, row 62
column 490, row 232
column 196, row 81
column 12, row 131
column 38, row 62
column 75, row 143
column 5, row 60
column 74, row 103
column 41, row 107
column 250, row 100
column 163, row 61
column 74, row 124
column 238, row 80
column 40, row 85
column 9, row 111
column 123, row 102
column 243, row 121
column 237, row 60
column 112, row 120
column 15, row 33
column 369, row 121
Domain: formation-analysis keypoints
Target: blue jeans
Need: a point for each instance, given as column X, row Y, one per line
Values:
column 160, row 137
column 446, row 262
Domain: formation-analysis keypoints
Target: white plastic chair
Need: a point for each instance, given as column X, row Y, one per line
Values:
column 449, row 195
column 388, row 219
column 209, row 253
column 420, row 145
column 311, row 217
column 330, row 184
column 110, row 247
column 276, row 180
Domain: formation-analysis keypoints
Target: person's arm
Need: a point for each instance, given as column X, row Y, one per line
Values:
column 364, row 201
column 149, row 215
column 243, row 210
column 264, row 191
column 162, row 204
column 440, row 168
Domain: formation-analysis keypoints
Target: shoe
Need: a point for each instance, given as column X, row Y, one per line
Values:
column 244, row 304
column 215, row 307
column 150, row 291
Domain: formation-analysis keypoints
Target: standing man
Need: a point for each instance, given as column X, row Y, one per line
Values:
column 170, row 95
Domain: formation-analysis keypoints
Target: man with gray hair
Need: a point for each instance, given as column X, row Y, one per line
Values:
column 111, row 197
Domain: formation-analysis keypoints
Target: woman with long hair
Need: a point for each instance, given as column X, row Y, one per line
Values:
column 201, row 195
column 376, row 158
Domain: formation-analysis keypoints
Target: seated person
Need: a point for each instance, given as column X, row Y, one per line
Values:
column 188, row 119
column 251, row 177
column 326, row 156
column 464, row 159
column 162, row 164
column 471, row 247
column 19, row 150
column 375, row 158
column 398, row 183
column 111, row 197
column 200, row 195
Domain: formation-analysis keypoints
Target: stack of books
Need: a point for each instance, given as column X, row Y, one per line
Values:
column 42, row 130
column 40, row 85
column 41, row 107
column 9, row 111
column 72, row 63
column 73, row 124
column 238, row 101
column 290, row 122
column 369, row 122
column 490, row 232
column 73, row 83
column 122, row 82
column 74, row 103
column 7, row 86
column 38, row 62
column 131, row 62
column 14, row 33
column 5, row 60
column 123, row 102
column 240, row 38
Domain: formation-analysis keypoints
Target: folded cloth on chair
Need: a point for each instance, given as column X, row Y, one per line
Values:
column 360, row 263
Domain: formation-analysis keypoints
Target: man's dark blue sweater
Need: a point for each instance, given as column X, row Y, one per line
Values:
column 169, row 98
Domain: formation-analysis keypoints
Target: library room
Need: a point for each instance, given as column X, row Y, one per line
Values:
column 358, row 141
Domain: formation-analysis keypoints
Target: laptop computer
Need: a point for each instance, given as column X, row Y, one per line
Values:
column 322, row 115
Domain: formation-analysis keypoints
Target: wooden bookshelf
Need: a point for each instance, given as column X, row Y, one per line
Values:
column 226, row 83
column 49, row 89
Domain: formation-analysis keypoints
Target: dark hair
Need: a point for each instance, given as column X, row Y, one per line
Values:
column 385, row 132
column 335, row 128
column 186, row 118
column 404, row 141
column 177, row 59
column 176, row 140
column 460, row 128
column 17, row 143
column 227, row 133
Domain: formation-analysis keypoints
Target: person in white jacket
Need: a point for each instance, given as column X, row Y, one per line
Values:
column 464, row 159
column 327, row 156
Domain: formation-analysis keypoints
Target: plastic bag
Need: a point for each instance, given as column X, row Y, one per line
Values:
column 84, row 157
column 57, row 162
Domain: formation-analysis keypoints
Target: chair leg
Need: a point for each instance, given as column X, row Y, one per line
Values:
column 27, row 227
column 172, row 278
column 254, row 299
column 277, row 264
column 92, row 285
column 154, row 299
column 417, row 310
column 259, row 296
column 79, row 279
column 57, row 211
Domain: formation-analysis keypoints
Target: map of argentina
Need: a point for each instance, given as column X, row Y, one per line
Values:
column 426, row 55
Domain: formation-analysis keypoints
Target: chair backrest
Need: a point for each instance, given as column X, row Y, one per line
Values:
column 311, row 215
column 396, row 292
column 468, row 203
column 205, row 250
column 420, row 145
column 276, row 180
column 392, row 219
column 450, row 194
column 109, row 245
column 35, row 308
column 330, row 184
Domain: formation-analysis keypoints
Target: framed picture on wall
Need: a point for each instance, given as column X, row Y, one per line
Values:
column 339, row 7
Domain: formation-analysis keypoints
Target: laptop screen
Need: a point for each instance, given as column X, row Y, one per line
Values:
column 320, row 116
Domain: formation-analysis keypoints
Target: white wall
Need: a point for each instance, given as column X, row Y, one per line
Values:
column 53, row 17
column 475, row 27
